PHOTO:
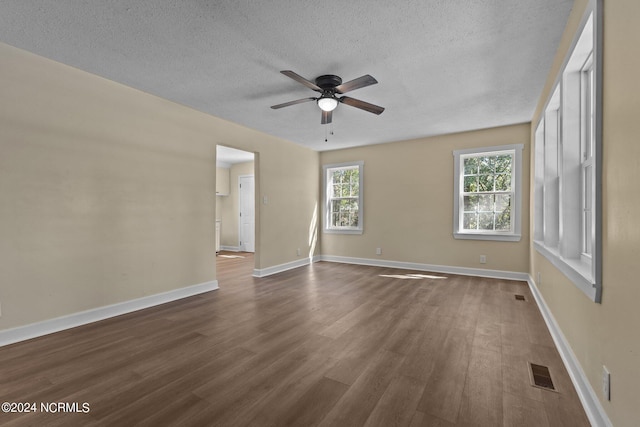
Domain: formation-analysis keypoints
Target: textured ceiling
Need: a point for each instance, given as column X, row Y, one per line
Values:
column 226, row 156
column 443, row 66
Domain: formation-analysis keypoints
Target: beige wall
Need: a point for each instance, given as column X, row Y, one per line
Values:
column 230, row 205
column 608, row 333
column 108, row 193
column 408, row 203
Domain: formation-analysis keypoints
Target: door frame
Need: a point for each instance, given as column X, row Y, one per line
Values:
column 240, row 234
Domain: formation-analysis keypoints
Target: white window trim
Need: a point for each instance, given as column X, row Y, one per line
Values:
column 326, row 198
column 586, row 276
column 512, row 236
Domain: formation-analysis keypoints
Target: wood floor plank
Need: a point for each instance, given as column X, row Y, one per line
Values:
column 482, row 395
column 420, row 419
column 307, row 409
column 423, row 353
column 488, row 331
column 398, row 403
column 357, row 348
column 523, row 412
column 443, row 395
column 327, row 344
column 361, row 398
column 361, row 314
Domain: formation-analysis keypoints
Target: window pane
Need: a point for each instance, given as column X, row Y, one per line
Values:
column 487, row 164
column 503, row 201
column 485, row 183
column 353, row 219
column 470, row 203
column 337, row 190
column 503, row 164
column 470, row 184
column 335, row 219
column 485, row 203
column 503, row 219
column 471, row 166
column 485, row 221
column 355, row 188
column 587, row 233
column 503, row 182
column 470, row 221
column 586, row 208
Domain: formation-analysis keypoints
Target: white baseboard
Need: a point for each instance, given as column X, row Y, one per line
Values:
column 22, row 333
column 230, row 248
column 263, row 272
column 479, row 272
column 592, row 406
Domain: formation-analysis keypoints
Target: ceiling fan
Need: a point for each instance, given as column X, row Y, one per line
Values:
column 328, row 86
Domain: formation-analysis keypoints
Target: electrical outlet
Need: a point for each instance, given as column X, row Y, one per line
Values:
column 0, row 309
column 298, row 251
column 539, row 280
column 378, row 251
column 606, row 383
column 483, row 259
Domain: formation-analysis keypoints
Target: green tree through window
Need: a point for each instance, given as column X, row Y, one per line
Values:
column 343, row 205
column 344, row 200
column 487, row 192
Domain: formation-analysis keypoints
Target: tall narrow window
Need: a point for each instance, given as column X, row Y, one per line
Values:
column 343, row 198
column 487, row 183
column 587, row 150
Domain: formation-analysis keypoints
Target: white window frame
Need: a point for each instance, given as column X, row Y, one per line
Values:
column 327, row 169
column 513, row 235
column 577, row 249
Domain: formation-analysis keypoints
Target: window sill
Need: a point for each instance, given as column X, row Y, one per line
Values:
column 342, row 231
column 578, row 272
column 487, row 236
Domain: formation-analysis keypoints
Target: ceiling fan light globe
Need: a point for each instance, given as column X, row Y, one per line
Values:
column 327, row 104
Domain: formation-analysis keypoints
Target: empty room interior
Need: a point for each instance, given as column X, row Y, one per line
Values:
column 337, row 214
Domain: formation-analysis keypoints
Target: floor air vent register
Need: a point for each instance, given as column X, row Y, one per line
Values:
column 541, row 377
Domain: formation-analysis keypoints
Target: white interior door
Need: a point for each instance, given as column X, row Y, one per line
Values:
column 247, row 213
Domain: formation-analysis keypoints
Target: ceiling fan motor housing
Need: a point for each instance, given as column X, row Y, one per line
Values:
column 328, row 82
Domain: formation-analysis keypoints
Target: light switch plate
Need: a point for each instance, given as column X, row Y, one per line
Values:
column 606, row 383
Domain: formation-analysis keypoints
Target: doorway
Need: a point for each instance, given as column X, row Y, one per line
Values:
column 235, row 206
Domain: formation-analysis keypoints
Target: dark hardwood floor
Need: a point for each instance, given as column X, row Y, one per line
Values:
column 328, row 344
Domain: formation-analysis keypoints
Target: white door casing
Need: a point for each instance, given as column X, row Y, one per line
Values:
column 247, row 213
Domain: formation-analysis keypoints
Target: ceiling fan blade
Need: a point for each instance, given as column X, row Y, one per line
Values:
column 297, row 101
column 363, row 81
column 326, row 117
column 361, row 105
column 302, row 80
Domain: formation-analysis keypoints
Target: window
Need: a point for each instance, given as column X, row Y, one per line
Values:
column 567, row 189
column 343, row 198
column 588, row 121
column 487, row 193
